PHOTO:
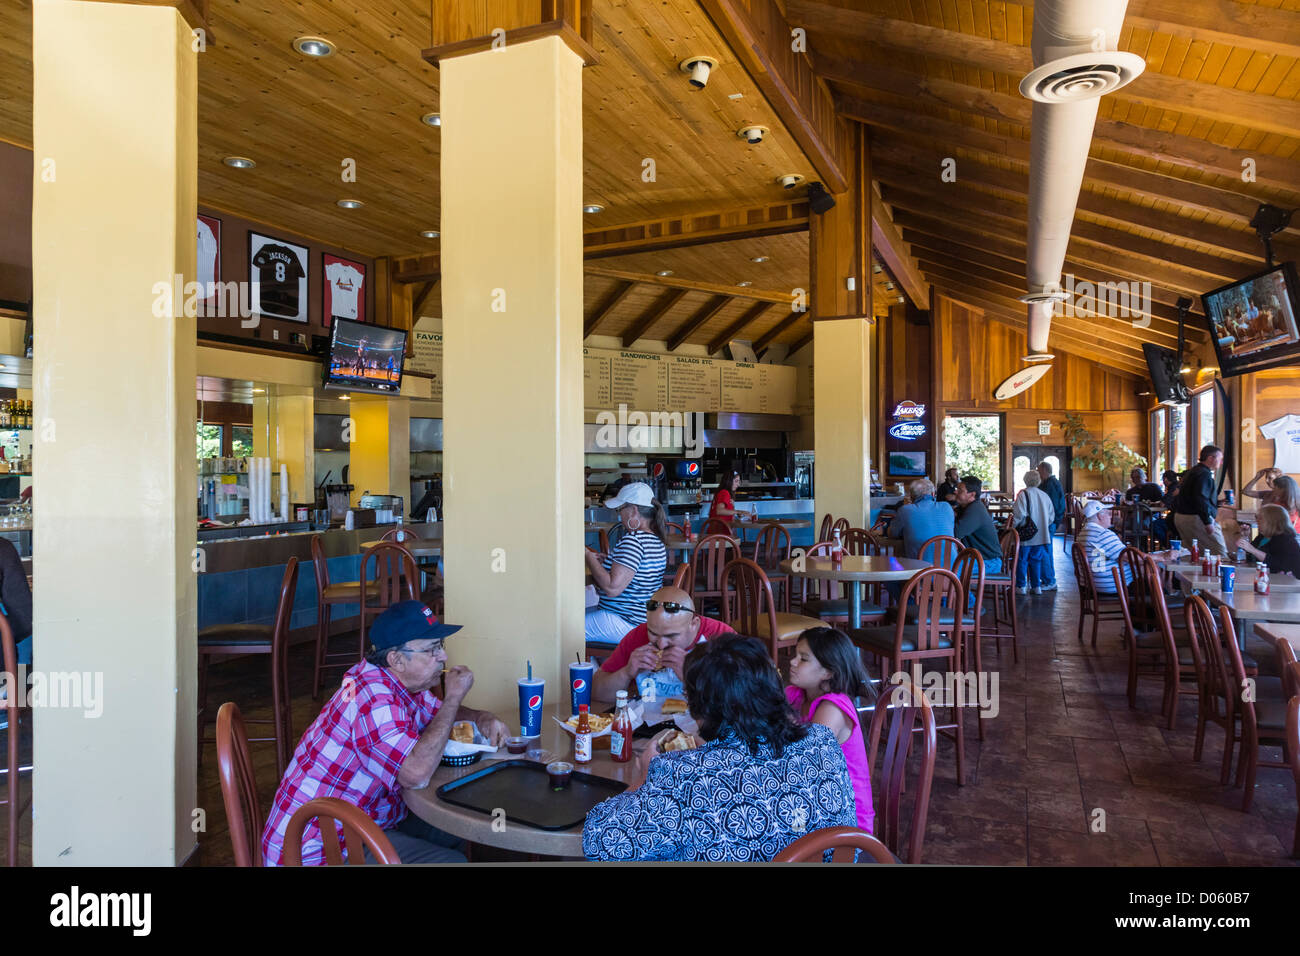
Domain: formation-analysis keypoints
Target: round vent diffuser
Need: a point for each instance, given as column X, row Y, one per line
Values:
column 1082, row 76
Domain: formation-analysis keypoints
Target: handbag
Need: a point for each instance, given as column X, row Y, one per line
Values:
column 1027, row 529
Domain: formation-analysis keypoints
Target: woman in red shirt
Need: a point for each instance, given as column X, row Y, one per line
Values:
column 724, row 506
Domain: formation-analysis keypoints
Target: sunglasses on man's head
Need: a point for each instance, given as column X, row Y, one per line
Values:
column 671, row 607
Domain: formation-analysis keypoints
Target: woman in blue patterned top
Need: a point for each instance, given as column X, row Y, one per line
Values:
column 761, row 780
column 634, row 568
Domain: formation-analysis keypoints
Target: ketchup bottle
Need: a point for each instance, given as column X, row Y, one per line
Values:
column 837, row 549
column 1196, row 553
column 1261, row 578
column 620, row 735
column 582, row 737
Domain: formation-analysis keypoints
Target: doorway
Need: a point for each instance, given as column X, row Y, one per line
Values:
column 1025, row 457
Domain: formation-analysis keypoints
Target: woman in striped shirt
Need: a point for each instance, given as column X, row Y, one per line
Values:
column 634, row 568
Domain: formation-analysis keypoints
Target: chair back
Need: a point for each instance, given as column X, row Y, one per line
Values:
column 1244, row 702
column 1159, row 609
column 1285, row 658
column 842, row 526
column 860, row 542
column 1212, row 675
column 332, row 815
column 715, row 526
column 941, row 550
column 238, row 786
column 772, row 546
column 682, row 579
column 710, row 555
column 899, row 713
column 1132, row 564
column 1293, row 744
column 939, row 601
column 281, row 700
column 408, row 534
column 747, row 600
column 319, row 564
column 676, row 529
column 969, row 568
column 1010, row 544
column 395, row 572
column 824, row 532
column 811, row 847
column 819, row 587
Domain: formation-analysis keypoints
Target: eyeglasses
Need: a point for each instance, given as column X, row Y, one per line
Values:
column 435, row 648
column 670, row 607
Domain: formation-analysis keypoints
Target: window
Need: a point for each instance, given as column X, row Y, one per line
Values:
column 1178, row 433
column 209, row 440
column 1158, row 458
column 241, row 441
column 1178, row 437
column 973, row 445
column 1019, row 465
column 1204, row 419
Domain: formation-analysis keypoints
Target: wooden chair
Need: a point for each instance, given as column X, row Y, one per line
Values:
column 238, row 787
column 824, row 532
column 676, row 529
column 14, row 801
column 682, row 578
column 934, row 638
column 826, row 602
column 712, row 553
column 236, row 639
column 1217, row 703
column 329, row 594
column 1100, row 605
column 842, row 840
column 1263, row 713
column 1179, row 663
column 358, row 830
column 969, row 568
column 748, row 606
column 941, row 550
column 1293, row 747
column 907, row 713
column 842, row 526
column 408, row 534
column 770, row 549
column 1001, row 587
column 716, row 526
column 395, row 576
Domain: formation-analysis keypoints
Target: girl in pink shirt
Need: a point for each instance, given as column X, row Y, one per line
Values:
column 825, row 675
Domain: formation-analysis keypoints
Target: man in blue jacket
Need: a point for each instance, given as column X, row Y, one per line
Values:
column 1051, row 486
column 921, row 518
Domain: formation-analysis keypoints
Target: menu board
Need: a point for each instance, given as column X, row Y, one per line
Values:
column 596, row 379
column 777, row 388
column 740, row 388
column 638, row 380
column 647, row 381
column 694, row 384
column 426, row 358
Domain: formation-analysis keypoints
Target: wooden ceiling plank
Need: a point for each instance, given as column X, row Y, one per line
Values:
column 697, row 321
column 745, row 321
column 696, row 229
column 422, row 298
column 609, row 305
column 888, row 244
column 762, row 341
column 662, row 306
column 673, row 282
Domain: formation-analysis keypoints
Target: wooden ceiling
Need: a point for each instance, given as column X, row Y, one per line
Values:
column 1163, row 198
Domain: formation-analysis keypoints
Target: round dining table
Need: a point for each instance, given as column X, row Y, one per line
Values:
column 419, row 547
column 476, row 827
column 855, row 570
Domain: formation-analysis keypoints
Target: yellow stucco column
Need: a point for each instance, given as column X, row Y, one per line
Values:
column 842, row 386
column 381, row 446
column 512, row 337
column 113, row 214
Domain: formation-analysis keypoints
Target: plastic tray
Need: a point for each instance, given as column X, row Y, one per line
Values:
column 523, row 789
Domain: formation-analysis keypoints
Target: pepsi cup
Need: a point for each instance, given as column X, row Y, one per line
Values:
column 580, row 676
column 1227, row 576
column 1175, row 545
column 530, row 706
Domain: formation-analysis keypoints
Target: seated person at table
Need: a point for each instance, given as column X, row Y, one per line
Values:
column 1101, row 546
column 974, row 526
column 723, row 507
column 1141, row 489
column 634, row 568
column 760, row 781
column 826, row 675
column 656, row 650
column 947, row 490
column 921, row 518
column 381, row 732
column 1277, row 544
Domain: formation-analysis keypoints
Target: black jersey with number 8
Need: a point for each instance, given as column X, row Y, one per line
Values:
column 278, row 272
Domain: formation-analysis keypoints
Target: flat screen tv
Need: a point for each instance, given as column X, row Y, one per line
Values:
column 364, row 357
column 1253, row 321
column 1163, row 365
column 907, row 464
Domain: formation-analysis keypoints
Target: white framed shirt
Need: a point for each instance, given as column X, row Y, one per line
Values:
column 207, row 256
column 345, row 286
column 1285, row 433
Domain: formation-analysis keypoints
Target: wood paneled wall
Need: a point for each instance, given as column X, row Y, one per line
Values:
column 1264, row 397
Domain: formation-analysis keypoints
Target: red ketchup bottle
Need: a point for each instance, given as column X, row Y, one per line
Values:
column 1196, row 554
column 1261, row 578
column 837, row 549
column 620, row 735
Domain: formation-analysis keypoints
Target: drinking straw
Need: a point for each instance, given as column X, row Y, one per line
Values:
column 530, row 670
column 578, row 655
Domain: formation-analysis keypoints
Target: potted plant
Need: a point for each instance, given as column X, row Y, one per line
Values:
column 1108, row 455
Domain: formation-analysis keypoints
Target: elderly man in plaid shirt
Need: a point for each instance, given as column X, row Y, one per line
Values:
column 381, row 731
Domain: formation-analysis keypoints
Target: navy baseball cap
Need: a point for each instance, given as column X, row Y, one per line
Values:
column 408, row 621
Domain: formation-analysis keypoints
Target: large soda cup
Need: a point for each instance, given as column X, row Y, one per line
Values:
column 531, row 693
column 580, row 677
column 1227, row 577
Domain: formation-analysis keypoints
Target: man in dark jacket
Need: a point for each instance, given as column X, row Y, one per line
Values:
column 975, row 526
column 1141, row 489
column 1051, row 487
column 1195, row 507
column 947, row 490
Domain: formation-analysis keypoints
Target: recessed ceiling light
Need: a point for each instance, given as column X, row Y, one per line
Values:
column 593, row 207
column 351, row 203
column 735, row 96
column 744, row 284
column 758, row 259
column 664, row 272
column 258, row 391
column 239, row 162
column 313, row 46
column 430, row 234
column 431, row 119
column 877, row 268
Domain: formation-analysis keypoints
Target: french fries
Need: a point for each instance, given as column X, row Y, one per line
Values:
column 598, row 722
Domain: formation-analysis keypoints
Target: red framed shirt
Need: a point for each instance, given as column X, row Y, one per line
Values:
column 639, row 636
column 352, row 751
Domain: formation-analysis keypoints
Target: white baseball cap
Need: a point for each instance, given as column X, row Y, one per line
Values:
column 1093, row 507
column 635, row 493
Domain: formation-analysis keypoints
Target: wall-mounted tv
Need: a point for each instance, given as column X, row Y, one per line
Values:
column 1163, row 365
column 364, row 357
column 907, row 464
column 1253, row 321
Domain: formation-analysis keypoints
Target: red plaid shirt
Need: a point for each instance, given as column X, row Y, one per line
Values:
column 352, row 751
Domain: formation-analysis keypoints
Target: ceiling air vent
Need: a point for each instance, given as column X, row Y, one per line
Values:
column 1082, row 76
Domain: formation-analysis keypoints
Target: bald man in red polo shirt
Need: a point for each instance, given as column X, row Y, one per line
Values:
column 656, row 650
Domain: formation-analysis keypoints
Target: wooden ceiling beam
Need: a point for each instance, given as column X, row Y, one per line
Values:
column 889, row 247
column 1196, row 154
column 759, row 38
column 422, row 298
column 771, row 334
column 693, row 285
column 662, row 306
column 957, row 200
column 609, row 305
column 1220, row 239
column 675, row 232
column 697, row 321
column 751, row 316
column 796, row 346
column 1272, row 114
column 425, row 268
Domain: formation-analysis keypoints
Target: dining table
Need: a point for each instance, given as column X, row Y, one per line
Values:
column 853, row 571
column 1280, row 632
column 419, row 547
column 476, row 827
column 1249, row 609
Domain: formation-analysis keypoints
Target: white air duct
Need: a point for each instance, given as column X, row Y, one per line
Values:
column 1074, row 48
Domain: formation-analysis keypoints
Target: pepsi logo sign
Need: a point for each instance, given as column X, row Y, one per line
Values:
column 535, row 702
column 692, row 469
column 658, row 470
column 579, row 685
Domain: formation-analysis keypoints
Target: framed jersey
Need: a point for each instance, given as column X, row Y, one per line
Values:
column 345, row 290
column 277, row 274
column 208, row 271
